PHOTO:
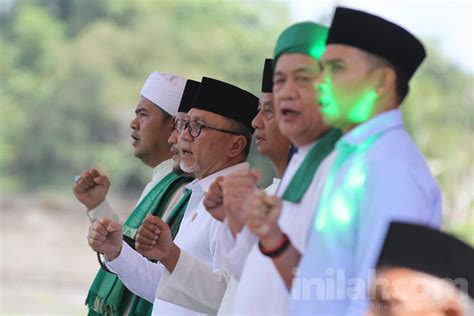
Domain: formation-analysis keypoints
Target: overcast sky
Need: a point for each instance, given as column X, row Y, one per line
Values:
column 450, row 22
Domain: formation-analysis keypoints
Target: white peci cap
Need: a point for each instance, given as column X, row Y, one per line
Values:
column 164, row 90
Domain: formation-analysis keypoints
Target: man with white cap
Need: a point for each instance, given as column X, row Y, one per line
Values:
column 161, row 98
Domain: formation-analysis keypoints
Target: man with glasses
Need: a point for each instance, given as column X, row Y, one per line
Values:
column 214, row 140
column 209, row 290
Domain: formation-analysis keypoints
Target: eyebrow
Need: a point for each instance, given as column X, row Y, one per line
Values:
column 332, row 61
column 139, row 110
column 295, row 71
column 197, row 118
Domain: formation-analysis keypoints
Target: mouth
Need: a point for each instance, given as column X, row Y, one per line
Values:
column 185, row 153
column 135, row 139
column 259, row 139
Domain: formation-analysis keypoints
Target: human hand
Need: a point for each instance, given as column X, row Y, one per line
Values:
column 91, row 188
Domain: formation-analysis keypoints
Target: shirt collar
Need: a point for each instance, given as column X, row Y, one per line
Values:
column 203, row 184
column 305, row 149
column 368, row 131
column 162, row 169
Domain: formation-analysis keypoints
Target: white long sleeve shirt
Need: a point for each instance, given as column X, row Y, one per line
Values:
column 261, row 290
column 197, row 236
column 200, row 287
column 375, row 175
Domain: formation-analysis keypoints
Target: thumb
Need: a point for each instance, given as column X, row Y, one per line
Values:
column 113, row 227
column 275, row 204
column 158, row 222
column 256, row 174
column 102, row 180
column 104, row 221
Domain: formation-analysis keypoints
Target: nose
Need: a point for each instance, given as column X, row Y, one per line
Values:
column 173, row 139
column 257, row 122
column 288, row 91
column 186, row 135
column 134, row 124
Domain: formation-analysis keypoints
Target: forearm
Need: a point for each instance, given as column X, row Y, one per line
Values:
column 287, row 261
column 102, row 210
column 233, row 250
column 286, row 265
column 138, row 274
column 172, row 258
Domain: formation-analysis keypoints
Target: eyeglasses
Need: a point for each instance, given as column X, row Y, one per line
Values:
column 195, row 128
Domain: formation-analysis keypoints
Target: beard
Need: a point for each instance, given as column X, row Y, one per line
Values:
column 189, row 169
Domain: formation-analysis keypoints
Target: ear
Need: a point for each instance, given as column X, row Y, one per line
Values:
column 385, row 81
column 237, row 146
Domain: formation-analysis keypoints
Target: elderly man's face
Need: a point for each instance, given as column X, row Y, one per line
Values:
column 150, row 132
column 173, row 141
column 270, row 141
column 402, row 292
column 207, row 153
column 347, row 86
column 299, row 117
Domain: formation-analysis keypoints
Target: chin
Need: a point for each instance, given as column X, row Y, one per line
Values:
column 137, row 154
column 262, row 150
column 285, row 130
column 189, row 168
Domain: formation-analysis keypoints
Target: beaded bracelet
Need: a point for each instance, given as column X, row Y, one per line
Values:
column 102, row 264
column 277, row 251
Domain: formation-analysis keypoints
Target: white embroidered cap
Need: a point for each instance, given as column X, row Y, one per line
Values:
column 164, row 90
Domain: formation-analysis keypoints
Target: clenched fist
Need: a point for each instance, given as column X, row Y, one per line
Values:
column 153, row 238
column 105, row 236
column 214, row 200
column 261, row 214
column 91, row 188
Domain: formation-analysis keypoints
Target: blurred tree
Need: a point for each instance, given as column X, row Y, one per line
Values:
column 74, row 69
column 440, row 116
column 71, row 70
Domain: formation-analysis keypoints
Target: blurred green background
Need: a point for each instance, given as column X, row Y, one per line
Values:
column 70, row 75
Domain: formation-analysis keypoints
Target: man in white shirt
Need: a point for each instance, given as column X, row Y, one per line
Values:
column 260, row 290
column 214, row 141
column 375, row 175
column 204, row 291
column 161, row 97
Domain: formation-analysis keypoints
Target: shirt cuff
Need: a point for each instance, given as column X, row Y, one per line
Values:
column 124, row 260
column 103, row 210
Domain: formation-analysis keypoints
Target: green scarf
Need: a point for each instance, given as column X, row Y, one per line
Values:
column 305, row 173
column 108, row 295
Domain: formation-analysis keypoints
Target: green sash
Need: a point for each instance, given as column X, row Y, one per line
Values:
column 108, row 295
column 140, row 306
column 305, row 173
